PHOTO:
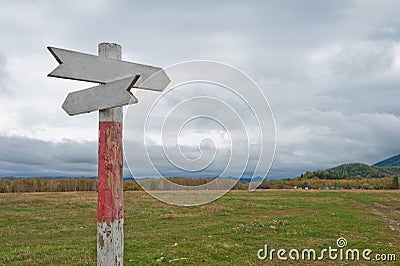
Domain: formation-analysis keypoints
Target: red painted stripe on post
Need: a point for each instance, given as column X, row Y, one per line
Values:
column 110, row 187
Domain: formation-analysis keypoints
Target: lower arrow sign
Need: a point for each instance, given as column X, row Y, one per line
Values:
column 113, row 94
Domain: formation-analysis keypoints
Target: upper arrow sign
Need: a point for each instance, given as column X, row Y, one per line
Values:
column 86, row 67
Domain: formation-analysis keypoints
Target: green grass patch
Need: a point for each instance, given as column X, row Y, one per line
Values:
column 60, row 228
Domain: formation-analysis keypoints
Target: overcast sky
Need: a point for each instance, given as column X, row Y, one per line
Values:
column 329, row 69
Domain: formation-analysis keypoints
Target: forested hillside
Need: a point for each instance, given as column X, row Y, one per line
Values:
column 353, row 171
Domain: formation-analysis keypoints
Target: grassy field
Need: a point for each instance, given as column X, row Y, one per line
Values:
column 60, row 228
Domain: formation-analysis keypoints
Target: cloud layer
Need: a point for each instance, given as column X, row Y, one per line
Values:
column 330, row 70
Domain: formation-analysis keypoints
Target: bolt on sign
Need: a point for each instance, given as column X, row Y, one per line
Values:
column 115, row 78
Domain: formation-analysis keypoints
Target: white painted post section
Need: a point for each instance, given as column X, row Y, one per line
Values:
column 110, row 219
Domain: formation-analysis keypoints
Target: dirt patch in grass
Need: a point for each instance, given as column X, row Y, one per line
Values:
column 385, row 213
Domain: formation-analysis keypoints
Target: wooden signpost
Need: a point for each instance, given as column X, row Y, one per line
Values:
column 116, row 78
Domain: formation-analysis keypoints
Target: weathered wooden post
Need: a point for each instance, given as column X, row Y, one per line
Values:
column 116, row 78
column 110, row 209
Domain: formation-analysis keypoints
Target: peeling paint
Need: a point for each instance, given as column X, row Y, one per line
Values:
column 112, row 236
column 110, row 195
column 100, row 240
column 110, row 190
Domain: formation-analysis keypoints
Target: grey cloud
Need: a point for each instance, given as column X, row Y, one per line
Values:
column 373, row 96
column 4, row 77
column 361, row 59
column 325, row 139
column 21, row 156
column 223, row 159
column 390, row 32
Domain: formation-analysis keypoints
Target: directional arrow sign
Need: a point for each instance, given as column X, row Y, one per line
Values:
column 92, row 68
column 116, row 77
column 109, row 95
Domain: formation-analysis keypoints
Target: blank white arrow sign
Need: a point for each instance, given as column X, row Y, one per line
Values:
column 109, row 95
column 116, row 77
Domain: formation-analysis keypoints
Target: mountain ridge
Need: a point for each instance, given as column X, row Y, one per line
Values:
column 391, row 161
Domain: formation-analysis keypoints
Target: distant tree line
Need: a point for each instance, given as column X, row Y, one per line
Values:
column 391, row 182
column 10, row 185
column 47, row 185
column 308, row 180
